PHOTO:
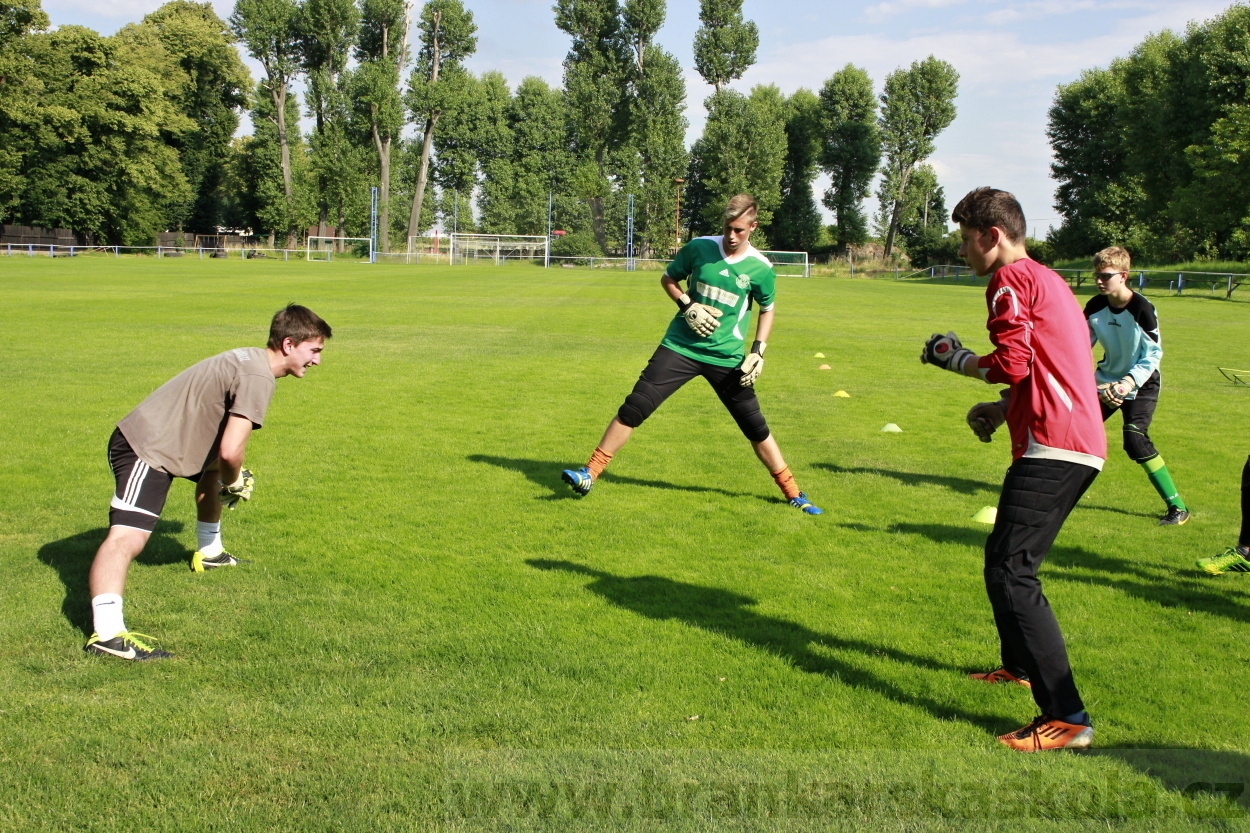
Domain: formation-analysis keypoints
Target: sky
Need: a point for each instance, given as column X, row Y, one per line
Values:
column 1010, row 56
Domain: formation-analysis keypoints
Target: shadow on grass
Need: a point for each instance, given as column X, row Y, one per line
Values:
column 71, row 558
column 724, row 612
column 1167, row 586
column 962, row 485
column 1221, row 776
column 547, row 474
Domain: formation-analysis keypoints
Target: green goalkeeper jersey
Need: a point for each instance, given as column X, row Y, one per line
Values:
column 728, row 284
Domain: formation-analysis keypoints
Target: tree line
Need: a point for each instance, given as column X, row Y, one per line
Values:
column 1153, row 152
column 125, row 136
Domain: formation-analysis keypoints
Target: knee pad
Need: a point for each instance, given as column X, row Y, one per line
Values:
column 1137, row 444
column 752, row 425
column 639, row 405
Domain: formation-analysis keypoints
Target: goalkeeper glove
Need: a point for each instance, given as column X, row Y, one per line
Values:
column 753, row 366
column 985, row 417
column 946, row 352
column 1113, row 393
column 240, row 489
column 699, row 317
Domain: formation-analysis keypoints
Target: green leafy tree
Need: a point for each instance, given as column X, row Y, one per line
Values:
column 211, row 88
column 918, row 103
column 269, row 30
column 742, row 150
column 851, row 150
column 382, row 50
column 922, row 224
column 725, row 45
column 95, row 154
column 594, row 80
column 541, row 164
column 264, row 206
column 20, row 90
column 796, row 226
column 448, row 36
column 327, row 33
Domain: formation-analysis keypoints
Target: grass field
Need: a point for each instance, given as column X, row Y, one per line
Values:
column 433, row 634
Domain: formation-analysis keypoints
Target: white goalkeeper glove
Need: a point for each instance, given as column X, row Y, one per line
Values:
column 699, row 317
column 1113, row 393
column 240, row 489
column 753, row 365
column 946, row 352
column 985, row 417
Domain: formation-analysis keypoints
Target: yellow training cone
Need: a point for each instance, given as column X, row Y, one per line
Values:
column 891, row 428
column 819, row 356
column 843, row 394
column 987, row 515
column 824, row 367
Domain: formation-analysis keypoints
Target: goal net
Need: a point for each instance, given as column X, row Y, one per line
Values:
column 793, row 264
column 497, row 248
column 427, row 249
column 326, row 249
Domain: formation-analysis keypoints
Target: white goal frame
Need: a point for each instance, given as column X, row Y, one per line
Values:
column 498, row 247
column 793, row 266
column 326, row 247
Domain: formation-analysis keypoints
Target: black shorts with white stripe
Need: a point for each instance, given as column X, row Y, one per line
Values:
column 141, row 489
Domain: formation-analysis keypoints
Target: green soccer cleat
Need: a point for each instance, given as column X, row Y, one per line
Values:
column 126, row 645
column 201, row 562
column 804, row 505
column 1232, row 560
column 579, row 479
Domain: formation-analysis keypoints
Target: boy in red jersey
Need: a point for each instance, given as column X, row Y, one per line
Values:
column 1057, row 446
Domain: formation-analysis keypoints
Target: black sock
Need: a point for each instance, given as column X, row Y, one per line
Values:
column 1244, row 540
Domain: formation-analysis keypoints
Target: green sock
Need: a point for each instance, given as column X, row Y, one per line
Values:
column 1157, row 471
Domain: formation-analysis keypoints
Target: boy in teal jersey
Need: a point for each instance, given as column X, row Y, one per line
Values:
column 1124, row 323
column 707, row 338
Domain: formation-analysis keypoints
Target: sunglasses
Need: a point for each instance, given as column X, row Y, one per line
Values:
column 1106, row 276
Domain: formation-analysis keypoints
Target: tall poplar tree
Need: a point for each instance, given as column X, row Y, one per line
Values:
column 725, row 45
column 851, row 150
column 328, row 30
column 269, row 30
column 382, row 50
column 448, row 36
column 918, row 103
column 796, row 225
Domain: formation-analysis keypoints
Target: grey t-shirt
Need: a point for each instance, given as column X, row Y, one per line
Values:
column 177, row 429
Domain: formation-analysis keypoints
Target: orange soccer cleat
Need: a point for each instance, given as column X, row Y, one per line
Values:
column 1001, row 675
column 1049, row 733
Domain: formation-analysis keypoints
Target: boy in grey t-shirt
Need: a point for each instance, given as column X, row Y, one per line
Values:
column 195, row 426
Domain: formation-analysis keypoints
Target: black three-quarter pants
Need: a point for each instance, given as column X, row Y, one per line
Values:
column 1138, row 413
column 668, row 370
column 1036, row 499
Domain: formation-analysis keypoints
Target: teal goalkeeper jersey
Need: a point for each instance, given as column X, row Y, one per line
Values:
column 728, row 285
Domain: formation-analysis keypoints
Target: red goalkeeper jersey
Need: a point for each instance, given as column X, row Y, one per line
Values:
column 1041, row 346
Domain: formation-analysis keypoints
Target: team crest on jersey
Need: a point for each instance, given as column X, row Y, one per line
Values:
column 743, row 281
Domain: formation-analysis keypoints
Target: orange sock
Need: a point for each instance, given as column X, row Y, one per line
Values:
column 599, row 461
column 785, row 482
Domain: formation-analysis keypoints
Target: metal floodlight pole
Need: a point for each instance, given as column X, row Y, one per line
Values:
column 678, row 181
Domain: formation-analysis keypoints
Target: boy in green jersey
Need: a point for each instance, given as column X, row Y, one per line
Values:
column 707, row 338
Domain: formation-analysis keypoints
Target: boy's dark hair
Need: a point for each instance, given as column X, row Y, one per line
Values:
column 985, row 207
column 297, row 323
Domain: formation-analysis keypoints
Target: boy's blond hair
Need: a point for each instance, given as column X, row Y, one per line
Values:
column 1113, row 257
column 738, row 205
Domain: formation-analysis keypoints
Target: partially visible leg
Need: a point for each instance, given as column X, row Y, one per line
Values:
column 209, row 552
column 1243, row 541
column 744, row 407
column 1138, row 414
column 664, row 374
column 1234, row 559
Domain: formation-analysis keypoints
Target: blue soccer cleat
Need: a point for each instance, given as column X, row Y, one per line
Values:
column 803, row 504
column 581, row 481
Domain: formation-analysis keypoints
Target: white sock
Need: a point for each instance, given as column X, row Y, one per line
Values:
column 208, row 538
column 106, row 609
